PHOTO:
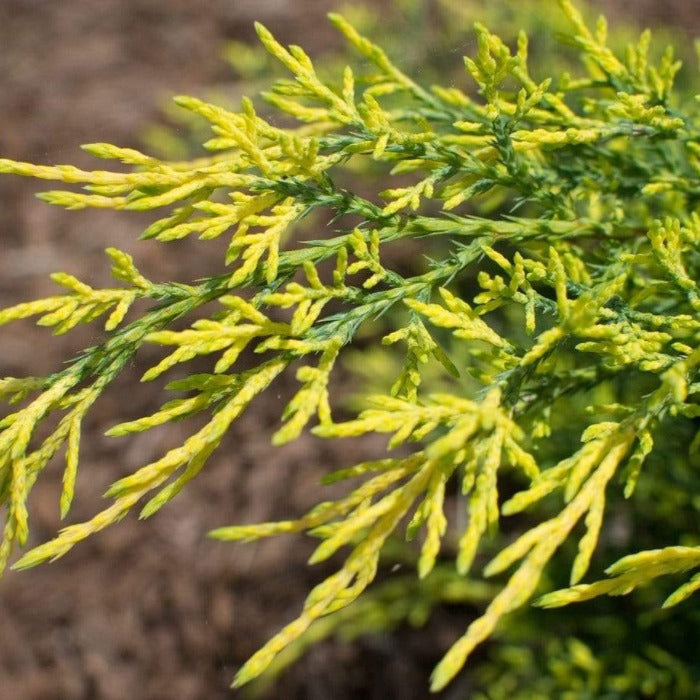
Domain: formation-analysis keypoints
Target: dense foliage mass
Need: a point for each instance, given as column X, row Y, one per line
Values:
column 558, row 297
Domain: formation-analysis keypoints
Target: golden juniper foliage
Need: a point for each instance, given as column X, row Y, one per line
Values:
column 576, row 298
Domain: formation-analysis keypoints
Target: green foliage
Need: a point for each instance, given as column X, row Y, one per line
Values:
column 559, row 216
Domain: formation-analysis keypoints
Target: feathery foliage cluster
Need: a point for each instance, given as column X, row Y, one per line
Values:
column 559, row 299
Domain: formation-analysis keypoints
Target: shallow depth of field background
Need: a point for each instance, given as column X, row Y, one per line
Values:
column 154, row 610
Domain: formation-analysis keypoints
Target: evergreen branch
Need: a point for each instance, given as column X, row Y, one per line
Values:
column 574, row 319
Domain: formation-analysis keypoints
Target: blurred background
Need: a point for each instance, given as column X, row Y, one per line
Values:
column 155, row 610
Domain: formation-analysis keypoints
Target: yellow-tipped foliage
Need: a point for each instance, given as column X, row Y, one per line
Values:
column 556, row 288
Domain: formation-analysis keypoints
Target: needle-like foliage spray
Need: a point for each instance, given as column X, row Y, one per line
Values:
column 560, row 301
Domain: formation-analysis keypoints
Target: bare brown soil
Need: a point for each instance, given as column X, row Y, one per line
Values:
column 154, row 610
